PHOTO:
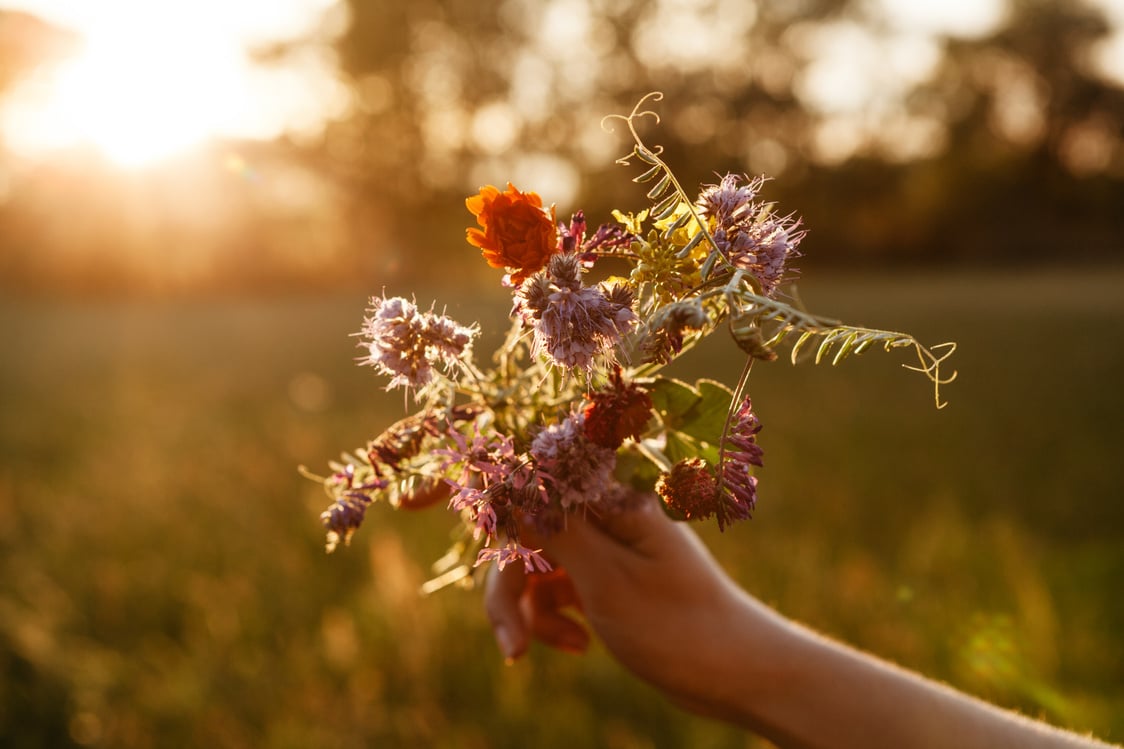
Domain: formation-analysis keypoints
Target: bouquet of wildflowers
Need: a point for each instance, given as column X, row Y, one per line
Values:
column 572, row 415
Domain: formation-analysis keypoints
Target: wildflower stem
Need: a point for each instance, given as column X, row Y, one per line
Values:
column 655, row 456
column 739, row 392
column 303, row 471
column 475, row 373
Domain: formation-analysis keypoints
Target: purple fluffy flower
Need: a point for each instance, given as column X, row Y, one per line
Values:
column 576, row 469
column 572, row 322
column 406, row 344
column 747, row 232
column 730, row 200
column 571, row 237
column 606, row 238
column 493, row 487
column 513, row 551
column 346, row 514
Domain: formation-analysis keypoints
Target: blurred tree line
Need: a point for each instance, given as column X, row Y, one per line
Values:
column 998, row 148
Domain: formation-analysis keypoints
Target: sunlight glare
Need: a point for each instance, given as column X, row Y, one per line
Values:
column 152, row 81
column 1107, row 55
column 956, row 18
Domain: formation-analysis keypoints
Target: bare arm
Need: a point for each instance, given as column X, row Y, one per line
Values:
column 665, row 609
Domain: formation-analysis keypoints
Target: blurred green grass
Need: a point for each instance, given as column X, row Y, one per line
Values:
column 164, row 583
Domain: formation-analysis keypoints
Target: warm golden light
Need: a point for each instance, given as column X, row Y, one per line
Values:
column 151, row 81
column 132, row 112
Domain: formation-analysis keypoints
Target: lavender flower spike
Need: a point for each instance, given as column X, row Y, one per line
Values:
column 343, row 518
column 739, row 452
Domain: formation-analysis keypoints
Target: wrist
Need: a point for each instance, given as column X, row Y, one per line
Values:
column 739, row 657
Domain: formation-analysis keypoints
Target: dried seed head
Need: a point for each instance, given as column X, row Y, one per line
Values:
column 689, row 490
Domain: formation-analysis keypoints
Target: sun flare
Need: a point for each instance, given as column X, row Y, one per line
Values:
column 146, row 85
column 135, row 113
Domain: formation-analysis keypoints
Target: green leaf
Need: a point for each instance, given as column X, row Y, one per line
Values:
column 680, row 446
column 672, row 399
column 693, row 416
column 717, row 400
column 677, row 224
column 666, row 207
column 660, row 188
column 636, row 469
column 826, row 344
column 649, row 175
column 645, row 155
column 845, row 348
column 804, row 338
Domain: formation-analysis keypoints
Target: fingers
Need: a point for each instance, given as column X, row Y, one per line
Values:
column 637, row 525
column 520, row 606
column 551, row 591
column 590, row 543
column 502, row 592
column 542, row 604
column 599, row 553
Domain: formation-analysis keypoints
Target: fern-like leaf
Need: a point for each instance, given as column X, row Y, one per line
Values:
column 668, row 193
column 835, row 341
column 743, row 300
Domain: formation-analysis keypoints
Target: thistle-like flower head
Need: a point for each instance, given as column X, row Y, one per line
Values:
column 575, row 469
column 343, row 518
column 730, row 200
column 573, row 323
column 406, row 344
column 689, row 490
column 617, row 412
column 748, row 233
column 668, row 326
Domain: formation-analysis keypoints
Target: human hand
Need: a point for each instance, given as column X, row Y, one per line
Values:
column 652, row 593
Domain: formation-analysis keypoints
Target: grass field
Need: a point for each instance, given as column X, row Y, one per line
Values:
column 163, row 581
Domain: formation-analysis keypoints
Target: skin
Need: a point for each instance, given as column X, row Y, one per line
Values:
column 660, row 603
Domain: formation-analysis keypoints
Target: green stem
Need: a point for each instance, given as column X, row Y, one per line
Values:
column 739, row 391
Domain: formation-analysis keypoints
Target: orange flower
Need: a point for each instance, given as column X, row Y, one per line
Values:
column 515, row 232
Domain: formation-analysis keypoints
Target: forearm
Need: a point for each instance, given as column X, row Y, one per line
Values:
column 665, row 609
column 807, row 691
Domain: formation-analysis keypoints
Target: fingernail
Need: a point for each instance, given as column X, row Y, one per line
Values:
column 506, row 640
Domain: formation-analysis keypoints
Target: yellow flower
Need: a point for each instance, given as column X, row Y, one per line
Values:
column 634, row 224
column 684, row 234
